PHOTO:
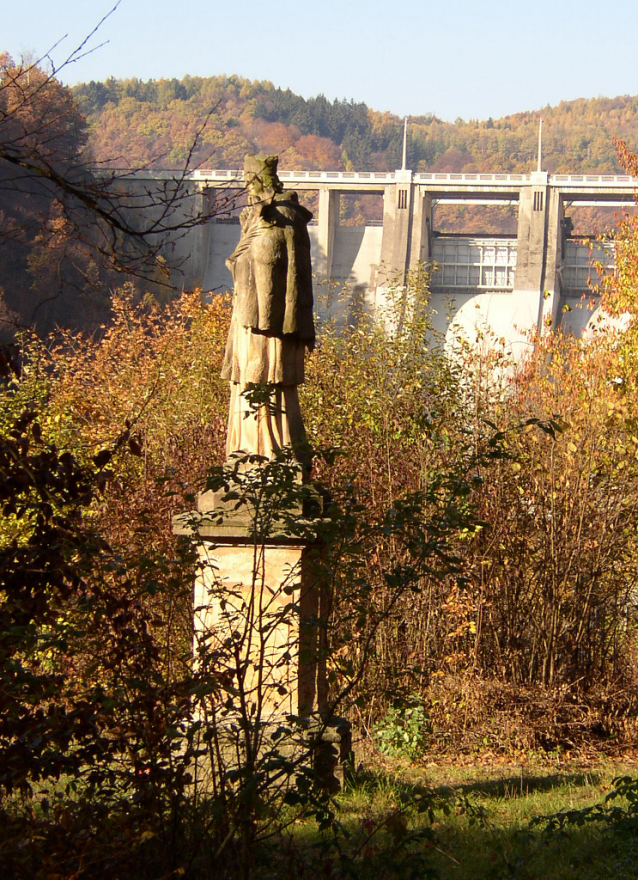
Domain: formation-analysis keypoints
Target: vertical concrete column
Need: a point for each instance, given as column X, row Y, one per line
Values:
column 530, row 258
column 389, row 213
column 328, row 222
column 397, row 229
column 183, row 250
column 421, row 236
column 206, row 229
column 550, row 315
column 539, row 257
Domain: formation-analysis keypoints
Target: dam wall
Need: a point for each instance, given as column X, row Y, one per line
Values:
column 499, row 286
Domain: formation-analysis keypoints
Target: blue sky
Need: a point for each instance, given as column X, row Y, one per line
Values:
column 451, row 57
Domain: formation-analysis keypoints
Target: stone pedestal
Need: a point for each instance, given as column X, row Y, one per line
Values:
column 259, row 602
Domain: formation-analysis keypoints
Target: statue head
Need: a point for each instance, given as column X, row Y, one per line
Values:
column 260, row 176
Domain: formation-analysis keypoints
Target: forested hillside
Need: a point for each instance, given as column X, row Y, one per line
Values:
column 135, row 123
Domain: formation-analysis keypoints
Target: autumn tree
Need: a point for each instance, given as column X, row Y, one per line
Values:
column 43, row 140
column 69, row 226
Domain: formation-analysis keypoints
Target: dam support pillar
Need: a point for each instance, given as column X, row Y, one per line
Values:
column 328, row 221
column 185, row 249
column 539, row 255
column 397, row 230
column 421, row 232
column 554, row 252
column 407, row 230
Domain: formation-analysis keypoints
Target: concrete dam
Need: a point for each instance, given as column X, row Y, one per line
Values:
column 506, row 285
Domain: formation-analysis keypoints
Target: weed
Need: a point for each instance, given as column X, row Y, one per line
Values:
column 403, row 731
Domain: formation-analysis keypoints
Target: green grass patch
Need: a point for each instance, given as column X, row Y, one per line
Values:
column 472, row 823
column 392, row 822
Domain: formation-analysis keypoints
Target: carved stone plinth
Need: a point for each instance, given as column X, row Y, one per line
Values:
column 260, row 603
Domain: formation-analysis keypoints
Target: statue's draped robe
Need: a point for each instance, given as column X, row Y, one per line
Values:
column 271, row 326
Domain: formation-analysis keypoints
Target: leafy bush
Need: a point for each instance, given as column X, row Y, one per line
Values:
column 403, row 731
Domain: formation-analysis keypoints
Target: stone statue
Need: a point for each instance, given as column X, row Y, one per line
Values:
column 272, row 322
column 255, row 559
